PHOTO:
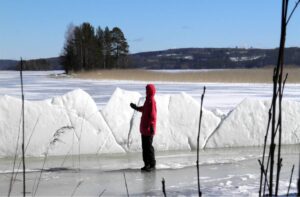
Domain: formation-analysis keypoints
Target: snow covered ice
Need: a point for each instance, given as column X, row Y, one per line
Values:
column 39, row 86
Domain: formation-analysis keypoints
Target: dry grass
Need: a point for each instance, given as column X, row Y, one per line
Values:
column 227, row 76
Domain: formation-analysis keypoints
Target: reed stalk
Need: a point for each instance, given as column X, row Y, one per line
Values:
column 164, row 187
column 23, row 130
column 102, row 193
column 198, row 142
column 291, row 178
column 76, row 187
column 275, row 117
column 126, row 184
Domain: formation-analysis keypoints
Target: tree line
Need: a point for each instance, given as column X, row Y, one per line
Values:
column 87, row 48
column 36, row 64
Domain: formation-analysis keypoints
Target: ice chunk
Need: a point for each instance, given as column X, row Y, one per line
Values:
column 246, row 125
column 118, row 114
column 72, row 124
column 69, row 124
column 177, row 124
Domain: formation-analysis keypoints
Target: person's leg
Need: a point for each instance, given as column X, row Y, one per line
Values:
column 144, row 149
column 148, row 153
column 151, row 153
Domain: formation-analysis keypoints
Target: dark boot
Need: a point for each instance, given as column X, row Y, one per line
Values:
column 152, row 166
column 148, row 168
column 153, row 163
column 145, row 168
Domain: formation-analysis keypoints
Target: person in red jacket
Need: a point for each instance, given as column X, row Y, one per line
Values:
column 148, row 127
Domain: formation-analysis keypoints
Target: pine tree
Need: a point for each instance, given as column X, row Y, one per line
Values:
column 119, row 47
column 85, row 49
column 68, row 57
column 88, row 45
column 107, row 48
column 100, row 48
column 78, row 49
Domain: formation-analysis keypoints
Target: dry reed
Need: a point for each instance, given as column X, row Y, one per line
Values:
column 225, row 76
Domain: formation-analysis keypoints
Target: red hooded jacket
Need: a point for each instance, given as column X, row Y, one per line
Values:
column 148, row 110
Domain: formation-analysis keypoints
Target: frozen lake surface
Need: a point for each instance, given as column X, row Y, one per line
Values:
column 224, row 172
column 227, row 172
column 39, row 86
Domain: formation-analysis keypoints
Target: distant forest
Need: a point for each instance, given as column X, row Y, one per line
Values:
column 182, row 58
column 213, row 58
column 33, row 64
column 87, row 48
column 38, row 64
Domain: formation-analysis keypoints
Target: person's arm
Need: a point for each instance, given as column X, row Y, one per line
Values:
column 138, row 108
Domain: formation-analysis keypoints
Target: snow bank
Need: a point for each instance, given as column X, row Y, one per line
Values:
column 246, row 125
column 72, row 124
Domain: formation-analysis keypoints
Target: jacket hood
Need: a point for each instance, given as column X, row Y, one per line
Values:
column 150, row 90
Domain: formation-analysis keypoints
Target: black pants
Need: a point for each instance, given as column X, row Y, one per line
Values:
column 148, row 150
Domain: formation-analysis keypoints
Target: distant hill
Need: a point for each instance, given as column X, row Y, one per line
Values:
column 8, row 64
column 212, row 58
column 55, row 63
column 188, row 58
column 33, row 64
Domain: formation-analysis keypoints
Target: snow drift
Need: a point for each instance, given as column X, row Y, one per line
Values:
column 72, row 124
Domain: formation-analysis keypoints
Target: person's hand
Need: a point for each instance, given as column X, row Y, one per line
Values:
column 133, row 106
column 151, row 130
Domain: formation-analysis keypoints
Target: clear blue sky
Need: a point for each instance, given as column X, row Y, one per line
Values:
column 36, row 28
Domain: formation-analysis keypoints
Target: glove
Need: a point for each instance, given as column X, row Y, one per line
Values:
column 151, row 130
column 133, row 106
